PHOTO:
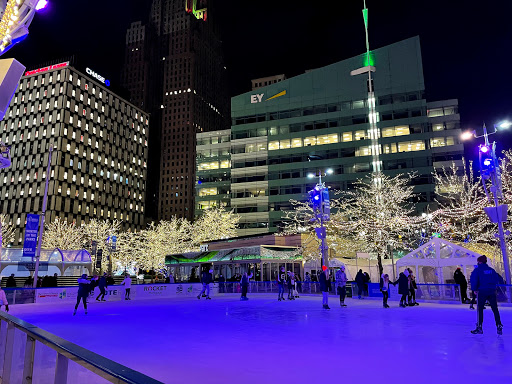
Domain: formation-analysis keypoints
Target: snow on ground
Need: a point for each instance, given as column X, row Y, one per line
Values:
column 225, row 340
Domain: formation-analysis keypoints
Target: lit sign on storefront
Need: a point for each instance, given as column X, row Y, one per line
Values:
column 90, row 72
column 46, row 69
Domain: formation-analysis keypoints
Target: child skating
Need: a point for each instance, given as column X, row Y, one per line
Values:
column 3, row 300
column 127, row 282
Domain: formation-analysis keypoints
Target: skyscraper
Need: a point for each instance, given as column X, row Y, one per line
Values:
column 180, row 76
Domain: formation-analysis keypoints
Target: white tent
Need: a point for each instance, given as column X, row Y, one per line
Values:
column 436, row 261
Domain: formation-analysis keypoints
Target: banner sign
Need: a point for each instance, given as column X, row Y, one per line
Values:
column 24, row 266
column 30, row 243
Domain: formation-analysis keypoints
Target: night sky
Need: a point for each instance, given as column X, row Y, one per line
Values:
column 465, row 47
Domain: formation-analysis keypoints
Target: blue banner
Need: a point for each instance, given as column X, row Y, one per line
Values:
column 31, row 229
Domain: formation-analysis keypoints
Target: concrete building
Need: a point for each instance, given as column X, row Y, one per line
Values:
column 99, row 161
column 185, row 58
column 324, row 114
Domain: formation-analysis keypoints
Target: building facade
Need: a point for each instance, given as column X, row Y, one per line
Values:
column 319, row 120
column 264, row 81
column 99, row 160
column 191, row 93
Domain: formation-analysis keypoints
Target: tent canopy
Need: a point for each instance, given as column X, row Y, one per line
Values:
column 438, row 254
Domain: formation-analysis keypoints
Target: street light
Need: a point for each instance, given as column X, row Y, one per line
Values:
column 490, row 170
column 319, row 201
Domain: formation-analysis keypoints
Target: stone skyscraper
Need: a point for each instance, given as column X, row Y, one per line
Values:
column 174, row 69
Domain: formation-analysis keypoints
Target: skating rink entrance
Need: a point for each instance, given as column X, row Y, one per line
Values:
column 224, row 340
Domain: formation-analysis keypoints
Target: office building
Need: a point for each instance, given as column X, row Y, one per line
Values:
column 264, row 81
column 190, row 88
column 99, row 161
column 321, row 119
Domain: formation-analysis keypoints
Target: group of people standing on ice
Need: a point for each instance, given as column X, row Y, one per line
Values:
column 286, row 279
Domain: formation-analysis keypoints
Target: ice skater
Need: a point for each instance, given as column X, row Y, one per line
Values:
column 127, row 282
column 3, row 300
column 460, row 279
column 403, row 287
column 384, row 288
column 206, row 279
column 484, row 281
column 325, row 286
column 412, row 290
column 102, row 285
column 360, row 283
column 83, row 292
column 244, row 282
column 341, row 282
column 291, row 285
column 281, row 279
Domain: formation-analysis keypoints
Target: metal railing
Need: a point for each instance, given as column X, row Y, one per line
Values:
column 26, row 355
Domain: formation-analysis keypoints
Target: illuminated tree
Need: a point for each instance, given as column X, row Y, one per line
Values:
column 377, row 214
column 461, row 199
column 99, row 231
column 7, row 231
column 63, row 235
column 214, row 224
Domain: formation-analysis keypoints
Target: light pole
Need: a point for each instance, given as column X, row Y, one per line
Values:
column 490, row 170
column 319, row 200
column 41, row 221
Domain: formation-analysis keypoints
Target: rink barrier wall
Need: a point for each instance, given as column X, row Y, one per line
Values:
column 69, row 363
column 425, row 292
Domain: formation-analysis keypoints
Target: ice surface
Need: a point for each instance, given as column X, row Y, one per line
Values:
column 225, row 340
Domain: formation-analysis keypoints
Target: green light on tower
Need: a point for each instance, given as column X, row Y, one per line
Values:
column 369, row 58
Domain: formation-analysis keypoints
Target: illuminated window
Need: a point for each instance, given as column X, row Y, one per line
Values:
column 400, row 130
column 437, row 127
column 359, row 135
column 308, row 141
column 441, row 141
column 364, row 151
column 389, row 148
column 284, row 144
column 347, row 136
column 208, row 192
column 327, row 139
column 435, row 112
column 224, row 164
column 296, row 143
column 273, row 145
column 411, row 146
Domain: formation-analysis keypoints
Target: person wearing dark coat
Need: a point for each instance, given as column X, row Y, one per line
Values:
column 460, row 279
column 366, row 281
column 325, row 286
column 222, row 284
column 403, row 287
column 83, row 291
column 11, row 283
column 110, row 280
column 484, row 281
column 206, row 279
column 360, row 283
column 244, row 282
column 412, row 290
column 102, row 285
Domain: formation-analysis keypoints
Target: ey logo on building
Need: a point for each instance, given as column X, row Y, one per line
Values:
column 258, row 98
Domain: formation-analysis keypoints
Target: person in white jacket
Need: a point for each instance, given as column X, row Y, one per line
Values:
column 3, row 300
column 127, row 282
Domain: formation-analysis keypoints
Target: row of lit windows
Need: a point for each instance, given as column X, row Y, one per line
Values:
column 214, row 165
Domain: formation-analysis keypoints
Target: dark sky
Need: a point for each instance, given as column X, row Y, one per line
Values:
column 465, row 44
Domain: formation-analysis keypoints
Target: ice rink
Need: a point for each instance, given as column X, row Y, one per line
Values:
column 262, row 340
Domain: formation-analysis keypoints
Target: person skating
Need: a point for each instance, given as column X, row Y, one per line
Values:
column 206, row 279
column 83, row 292
column 360, row 283
column 3, row 300
column 341, row 282
column 412, row 290
column 403, row 287
column 484, row 281
column 325, row 286
column 11, row 282
column 460, row 279
column 384, row 288
column 127, row 282
column 102, row 285
column 366, row 282
column 244, row 282
column 291, row 285
column 307, row 283
column 281, row 279
column 110, row 280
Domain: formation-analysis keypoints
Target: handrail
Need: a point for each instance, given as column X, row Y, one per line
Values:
column 106, row 368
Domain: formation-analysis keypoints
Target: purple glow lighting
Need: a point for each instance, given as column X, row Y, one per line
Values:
column 484, row 149
column 487, row 162
column 41, row 4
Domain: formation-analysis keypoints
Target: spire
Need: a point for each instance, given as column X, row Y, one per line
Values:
column 368, row 60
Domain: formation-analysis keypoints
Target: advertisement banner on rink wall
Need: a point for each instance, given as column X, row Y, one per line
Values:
column 52, row 295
